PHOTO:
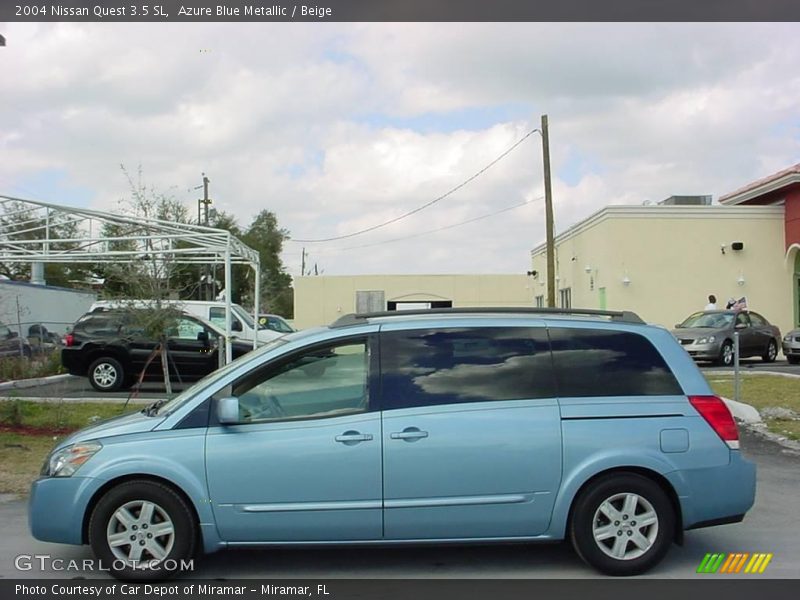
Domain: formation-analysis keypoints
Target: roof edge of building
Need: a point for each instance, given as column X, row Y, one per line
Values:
column 760, row 187
column 635, row 211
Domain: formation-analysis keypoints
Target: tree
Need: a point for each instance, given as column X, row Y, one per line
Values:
column 157, row 276
column 266, row 238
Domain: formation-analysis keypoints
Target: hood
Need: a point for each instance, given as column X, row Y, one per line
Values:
column 131, row 423
column 696, row 332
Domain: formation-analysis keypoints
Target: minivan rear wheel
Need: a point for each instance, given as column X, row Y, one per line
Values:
column 142, row 531
column 106, row 374
column 622, row 524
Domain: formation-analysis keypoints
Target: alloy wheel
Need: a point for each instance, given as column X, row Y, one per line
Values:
column 140, row 533
column 625, row 526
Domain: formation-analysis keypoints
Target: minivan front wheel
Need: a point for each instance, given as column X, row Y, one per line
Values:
column 622, row 524
column 143, row 531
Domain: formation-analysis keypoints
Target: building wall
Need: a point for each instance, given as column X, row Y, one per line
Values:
column 321, row 300
column 23, row 304
column 672, row 257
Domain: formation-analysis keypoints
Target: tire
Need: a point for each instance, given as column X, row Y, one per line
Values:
column 647, row 530
column 153, row 556
column 726, row 354
column 771, row 353
column 106, row 374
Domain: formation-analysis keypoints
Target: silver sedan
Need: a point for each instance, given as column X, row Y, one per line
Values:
column 709, row 335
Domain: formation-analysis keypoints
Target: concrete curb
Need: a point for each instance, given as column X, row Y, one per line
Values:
column 36, row 381
column 750, row 372
column 73, row 400
column 743, row 412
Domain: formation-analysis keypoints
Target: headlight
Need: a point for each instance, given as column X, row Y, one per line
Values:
column 709, row 339
column 64, row 462
column 787, row 337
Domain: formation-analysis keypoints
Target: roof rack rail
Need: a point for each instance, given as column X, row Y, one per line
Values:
column 624, row 316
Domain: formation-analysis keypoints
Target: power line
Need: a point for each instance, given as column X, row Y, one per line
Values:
column 424, row 206
column 428, row 232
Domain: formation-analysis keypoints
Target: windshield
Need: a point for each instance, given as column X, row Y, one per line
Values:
column 209, row 380
column 242, row 314
column 708, row 320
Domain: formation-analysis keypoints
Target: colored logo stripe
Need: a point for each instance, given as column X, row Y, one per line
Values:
column 720, row 562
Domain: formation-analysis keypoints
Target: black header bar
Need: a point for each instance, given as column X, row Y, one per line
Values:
column 177, row 11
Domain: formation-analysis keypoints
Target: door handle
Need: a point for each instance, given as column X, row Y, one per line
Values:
column 353, row 437
column 409, row 433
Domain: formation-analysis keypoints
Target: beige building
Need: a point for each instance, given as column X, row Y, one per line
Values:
column 321, row 300
column 662, row 262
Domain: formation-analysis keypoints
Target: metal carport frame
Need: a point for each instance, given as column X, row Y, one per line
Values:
column 30, row 241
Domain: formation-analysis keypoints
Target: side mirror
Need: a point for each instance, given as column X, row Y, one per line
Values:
column 236, row 325
column 202, row 336
column 12, row 335
column 677, row 325
column 228, row 410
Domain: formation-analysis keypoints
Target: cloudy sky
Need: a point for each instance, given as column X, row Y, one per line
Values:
column 339, row 127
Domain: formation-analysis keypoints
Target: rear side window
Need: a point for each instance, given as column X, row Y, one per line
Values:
column 599, row 362
column 451, row 366
column 99, row 325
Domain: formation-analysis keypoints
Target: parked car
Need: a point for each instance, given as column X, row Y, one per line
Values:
column 43, row 341
column 708, row 335
column 791, row 346
column 242, row 324
column 11, row 344
column 413, row 427
column 275, row 323
column 109, row 348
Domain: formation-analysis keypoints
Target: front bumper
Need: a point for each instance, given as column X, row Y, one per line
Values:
column 791, row 349
column 57, row 506
column 703, row 351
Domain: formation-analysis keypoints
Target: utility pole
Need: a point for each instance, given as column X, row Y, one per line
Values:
column 548, row 207
column 303, row 264
column 205, row 201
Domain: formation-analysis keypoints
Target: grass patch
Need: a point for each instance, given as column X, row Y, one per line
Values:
column 21, row 458
column 56, row 417
column 29, row 430
column 765, row 391
column 13, row 368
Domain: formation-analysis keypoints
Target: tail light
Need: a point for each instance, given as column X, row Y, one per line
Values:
column 69, row 340
column 714, row 410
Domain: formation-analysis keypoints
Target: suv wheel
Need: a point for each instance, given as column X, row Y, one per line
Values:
column 726, row 354
column 106, row 374
column 143, row 530
column 622, row 524
column 771, row 352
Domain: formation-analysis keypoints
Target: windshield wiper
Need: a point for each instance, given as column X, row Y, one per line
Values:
column 152, row 410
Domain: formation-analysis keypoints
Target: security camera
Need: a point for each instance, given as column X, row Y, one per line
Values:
column 722, row 248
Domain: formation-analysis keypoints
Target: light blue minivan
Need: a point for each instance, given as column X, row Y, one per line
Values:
column 446, row 425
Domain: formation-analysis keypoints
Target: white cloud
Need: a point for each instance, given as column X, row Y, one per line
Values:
column 337, row 127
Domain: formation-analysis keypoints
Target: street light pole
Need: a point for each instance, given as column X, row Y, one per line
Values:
column 548, row 207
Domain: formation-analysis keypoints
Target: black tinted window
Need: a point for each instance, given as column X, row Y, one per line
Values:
column 99, row 324
column 598, row 362
column 449, row 366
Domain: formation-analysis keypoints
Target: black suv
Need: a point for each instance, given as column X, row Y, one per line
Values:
column 111, row 350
